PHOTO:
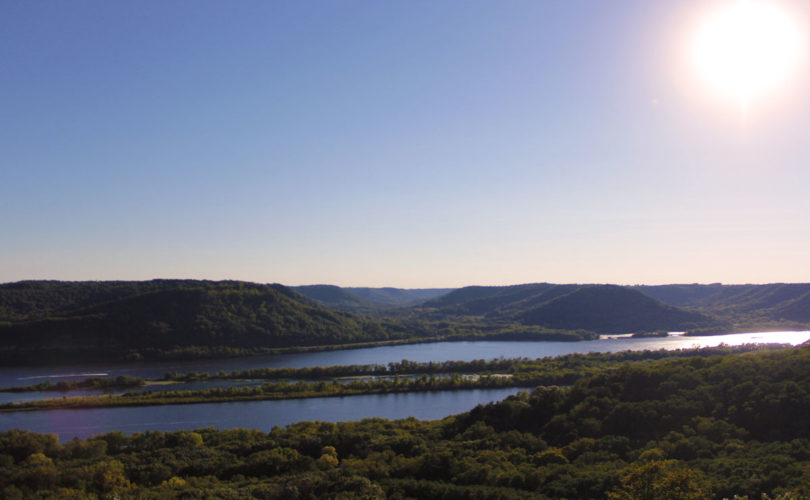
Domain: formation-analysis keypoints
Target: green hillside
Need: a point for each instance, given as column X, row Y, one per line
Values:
column 483, row 300
column 334, row 296
column 364, row 299
column 32, row 300
column 397, row 296
column 116, row 317
column 610, row 309
column 775, row 302
column 43, row 321
column 598, row 308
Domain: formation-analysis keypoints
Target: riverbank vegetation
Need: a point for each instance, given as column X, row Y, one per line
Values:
column 450, row 332
column 557, row 370
column 93, row 383
column 404, row 376
column 273, row 391
column 689, row 427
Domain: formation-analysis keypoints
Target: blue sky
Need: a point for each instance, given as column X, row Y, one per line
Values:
column 410, row 144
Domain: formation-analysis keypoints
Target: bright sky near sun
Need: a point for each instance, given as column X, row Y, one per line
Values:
column 410, row 144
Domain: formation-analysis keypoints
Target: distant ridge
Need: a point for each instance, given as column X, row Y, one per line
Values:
column 609, row 309
column 598, row 308
column 397, row 296
column 366, row 298
column 333, row 296
column 116, row 318
column 774, row 302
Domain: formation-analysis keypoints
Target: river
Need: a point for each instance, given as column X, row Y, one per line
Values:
column 265, row 414
column 436, row 351
column 262, row 415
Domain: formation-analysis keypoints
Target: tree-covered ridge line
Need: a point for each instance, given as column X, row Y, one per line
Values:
column 598, row 308
column 741, row 308
column 693, row 427
column 145, row 320
column 789, row 300
column 183, row 319
column 167, row 313
column 701, row 309
column 366, row 299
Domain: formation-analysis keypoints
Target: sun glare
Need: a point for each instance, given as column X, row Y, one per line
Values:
column 746, row 49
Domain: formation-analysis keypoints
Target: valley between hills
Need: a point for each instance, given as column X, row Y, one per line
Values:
column 186, row 319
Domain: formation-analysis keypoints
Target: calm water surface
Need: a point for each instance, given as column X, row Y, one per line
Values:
column 265, row 414
column 438, row 351
column 262, row 415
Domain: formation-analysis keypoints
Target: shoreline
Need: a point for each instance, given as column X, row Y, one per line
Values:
column 220, row 352
column 118, row 401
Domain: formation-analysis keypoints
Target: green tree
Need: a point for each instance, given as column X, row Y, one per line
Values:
column 657, row 479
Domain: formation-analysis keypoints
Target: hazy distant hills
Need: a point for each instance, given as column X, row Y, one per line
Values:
column 775, row 302
column 484, row 300
column 363, row 298
column 334, row 296
column 397, row 296
column 598, row 308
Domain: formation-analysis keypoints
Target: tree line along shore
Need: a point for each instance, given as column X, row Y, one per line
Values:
column 309, row 382
column 690, row 426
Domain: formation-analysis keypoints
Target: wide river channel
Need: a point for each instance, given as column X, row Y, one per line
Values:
column 264, row 415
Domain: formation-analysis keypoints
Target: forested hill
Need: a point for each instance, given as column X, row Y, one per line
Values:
column 163, row 314
column 599, row 308
column 334, row 296
column 397, row 296
column 368, row 299
column 775, row 301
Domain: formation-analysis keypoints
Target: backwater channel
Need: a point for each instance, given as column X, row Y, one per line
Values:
column 263, row 415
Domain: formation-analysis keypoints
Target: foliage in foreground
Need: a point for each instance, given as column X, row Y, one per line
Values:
column 688, row 428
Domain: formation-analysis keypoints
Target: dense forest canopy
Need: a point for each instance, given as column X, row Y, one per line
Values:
column 368, row 299
column 776, row 301
column 599, row 308
column 691, row 427
column 160, row 314
column 92, row 320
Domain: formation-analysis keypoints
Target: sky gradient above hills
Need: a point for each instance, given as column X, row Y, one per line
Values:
column 412, row 144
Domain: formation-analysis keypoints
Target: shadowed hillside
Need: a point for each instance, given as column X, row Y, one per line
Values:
column 118, row 316
column 397, row 296
column 481, row 300
column 368, row 299
column 607, row 309
column 772, row 302
column 75, row 321
column 333, row 296
column 599, row 308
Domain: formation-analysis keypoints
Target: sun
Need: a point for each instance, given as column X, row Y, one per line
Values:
column 746, row 48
